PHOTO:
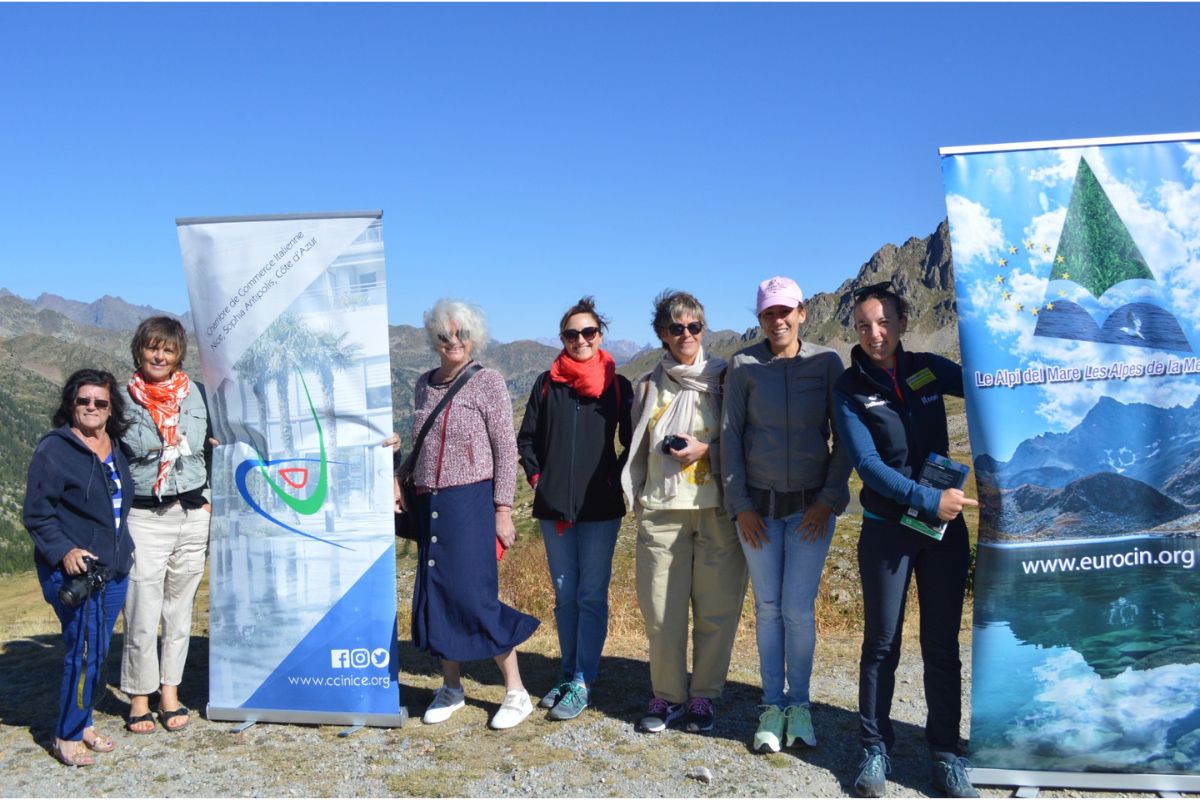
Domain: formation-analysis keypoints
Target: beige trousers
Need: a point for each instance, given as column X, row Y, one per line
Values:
column 168, row 563
column 689, row 560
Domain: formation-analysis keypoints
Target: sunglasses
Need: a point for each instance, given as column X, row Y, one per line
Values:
column 863, row 291
column 571, row 335
column 677, row 329
column 462, row 337
column 83, row 402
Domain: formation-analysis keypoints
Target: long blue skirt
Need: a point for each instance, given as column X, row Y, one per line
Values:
column 457, row 613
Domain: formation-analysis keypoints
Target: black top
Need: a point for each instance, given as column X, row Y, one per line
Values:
column 568, row 443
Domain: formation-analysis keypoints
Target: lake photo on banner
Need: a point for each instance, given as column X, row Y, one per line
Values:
column 1101, row 643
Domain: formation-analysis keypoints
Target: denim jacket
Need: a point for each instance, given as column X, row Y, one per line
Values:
column 143, row 445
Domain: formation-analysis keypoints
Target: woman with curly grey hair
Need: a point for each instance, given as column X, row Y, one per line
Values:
column 465, row 476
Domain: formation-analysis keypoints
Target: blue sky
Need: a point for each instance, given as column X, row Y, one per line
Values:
column 527, row 154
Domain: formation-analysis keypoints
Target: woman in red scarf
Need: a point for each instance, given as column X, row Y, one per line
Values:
column 574, row 413
column 167, row 444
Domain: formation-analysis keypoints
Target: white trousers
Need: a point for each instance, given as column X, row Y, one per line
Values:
column 168, row 563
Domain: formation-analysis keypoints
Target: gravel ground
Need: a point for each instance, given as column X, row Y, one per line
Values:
column 596, row 755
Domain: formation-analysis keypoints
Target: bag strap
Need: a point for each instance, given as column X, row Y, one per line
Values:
column 409, row 463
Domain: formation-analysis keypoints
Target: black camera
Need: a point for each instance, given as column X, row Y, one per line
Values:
column 79, row 587
column 672, row 442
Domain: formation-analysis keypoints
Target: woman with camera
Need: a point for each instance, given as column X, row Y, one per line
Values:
column 77, row 500
column 574, row 413
column 688, row 556
column 785, row 484
column 168, row 445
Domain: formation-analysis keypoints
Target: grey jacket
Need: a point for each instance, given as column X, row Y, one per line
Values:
column 143, row 444
column 776, row 426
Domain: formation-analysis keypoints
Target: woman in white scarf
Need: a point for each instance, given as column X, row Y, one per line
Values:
column 688, row 555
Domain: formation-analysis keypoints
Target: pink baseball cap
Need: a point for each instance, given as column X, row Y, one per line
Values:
column 778, row 291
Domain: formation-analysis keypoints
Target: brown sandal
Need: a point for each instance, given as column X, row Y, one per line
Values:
column 79, row 758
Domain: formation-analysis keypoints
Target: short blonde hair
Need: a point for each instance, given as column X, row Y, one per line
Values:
column 472, row 324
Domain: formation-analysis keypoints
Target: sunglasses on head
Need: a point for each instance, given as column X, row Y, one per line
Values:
column 677, row 329
column 863, row 291
column 571, row 335
column 83, row 402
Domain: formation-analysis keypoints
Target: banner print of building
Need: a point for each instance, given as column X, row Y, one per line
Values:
column 1097, row 253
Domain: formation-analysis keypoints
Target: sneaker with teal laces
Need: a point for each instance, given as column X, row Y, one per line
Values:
column 871, row 780
column 771, row 724
column 550, row 699
column 799, row 726
column 572, row 702
column 950, row 776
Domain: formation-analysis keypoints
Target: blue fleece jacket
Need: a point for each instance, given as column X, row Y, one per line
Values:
column 68, row 505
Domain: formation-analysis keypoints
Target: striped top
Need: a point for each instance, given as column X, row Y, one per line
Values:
column 114, row 489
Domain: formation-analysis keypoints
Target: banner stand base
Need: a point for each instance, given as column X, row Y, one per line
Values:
column 1115, row 781
column 253, row 715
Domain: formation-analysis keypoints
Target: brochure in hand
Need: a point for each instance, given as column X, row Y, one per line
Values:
column 939, row 473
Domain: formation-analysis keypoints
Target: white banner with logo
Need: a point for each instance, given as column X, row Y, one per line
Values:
column 1077, row 269
column 290, row 314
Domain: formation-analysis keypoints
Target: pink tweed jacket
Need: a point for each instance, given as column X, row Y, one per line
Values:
column 473, row 438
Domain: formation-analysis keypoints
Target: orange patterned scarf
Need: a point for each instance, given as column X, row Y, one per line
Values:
column 162, row 401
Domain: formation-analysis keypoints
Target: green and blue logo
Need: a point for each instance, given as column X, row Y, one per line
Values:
column 295, row 474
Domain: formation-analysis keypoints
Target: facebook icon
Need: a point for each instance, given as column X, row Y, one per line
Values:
column 339, row 659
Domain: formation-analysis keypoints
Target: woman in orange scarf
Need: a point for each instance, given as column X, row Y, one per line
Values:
column 574, row 413
column 167, row 443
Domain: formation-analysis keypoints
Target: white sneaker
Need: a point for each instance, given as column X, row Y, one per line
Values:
column 516, row 707
column 444, row 704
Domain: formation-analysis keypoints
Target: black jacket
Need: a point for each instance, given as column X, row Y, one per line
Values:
column 68, row 505
column 890, row 435
column 568, row 443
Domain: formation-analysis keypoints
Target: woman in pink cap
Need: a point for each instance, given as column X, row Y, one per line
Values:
column 786, row 479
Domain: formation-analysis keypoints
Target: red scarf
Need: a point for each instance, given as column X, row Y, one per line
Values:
column 162, row 401
column 588, row 378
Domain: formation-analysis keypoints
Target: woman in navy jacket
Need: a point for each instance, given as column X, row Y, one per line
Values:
column 889, row 409
column 77, row 500
column 574, row 413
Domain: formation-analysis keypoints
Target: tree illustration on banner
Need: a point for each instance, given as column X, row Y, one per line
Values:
column 1097, row 253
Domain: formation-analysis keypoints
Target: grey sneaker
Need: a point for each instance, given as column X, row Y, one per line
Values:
column 659, row 715
column 550, row 699
column 572, row 702
column 950, row 776
column 871, row 780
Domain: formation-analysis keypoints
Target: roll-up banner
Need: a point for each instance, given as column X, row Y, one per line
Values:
column 1077, row 269
column 290, row 315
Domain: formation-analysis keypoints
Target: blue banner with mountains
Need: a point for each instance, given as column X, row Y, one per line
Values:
column 1077, row 270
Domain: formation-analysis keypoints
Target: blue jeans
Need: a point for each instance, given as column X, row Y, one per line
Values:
column 580, row 563
column 86, row 631
column 786, row 573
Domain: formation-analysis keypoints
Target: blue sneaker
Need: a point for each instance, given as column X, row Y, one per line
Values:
column 572, row 702
column 873, row 770
column 950, row 776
